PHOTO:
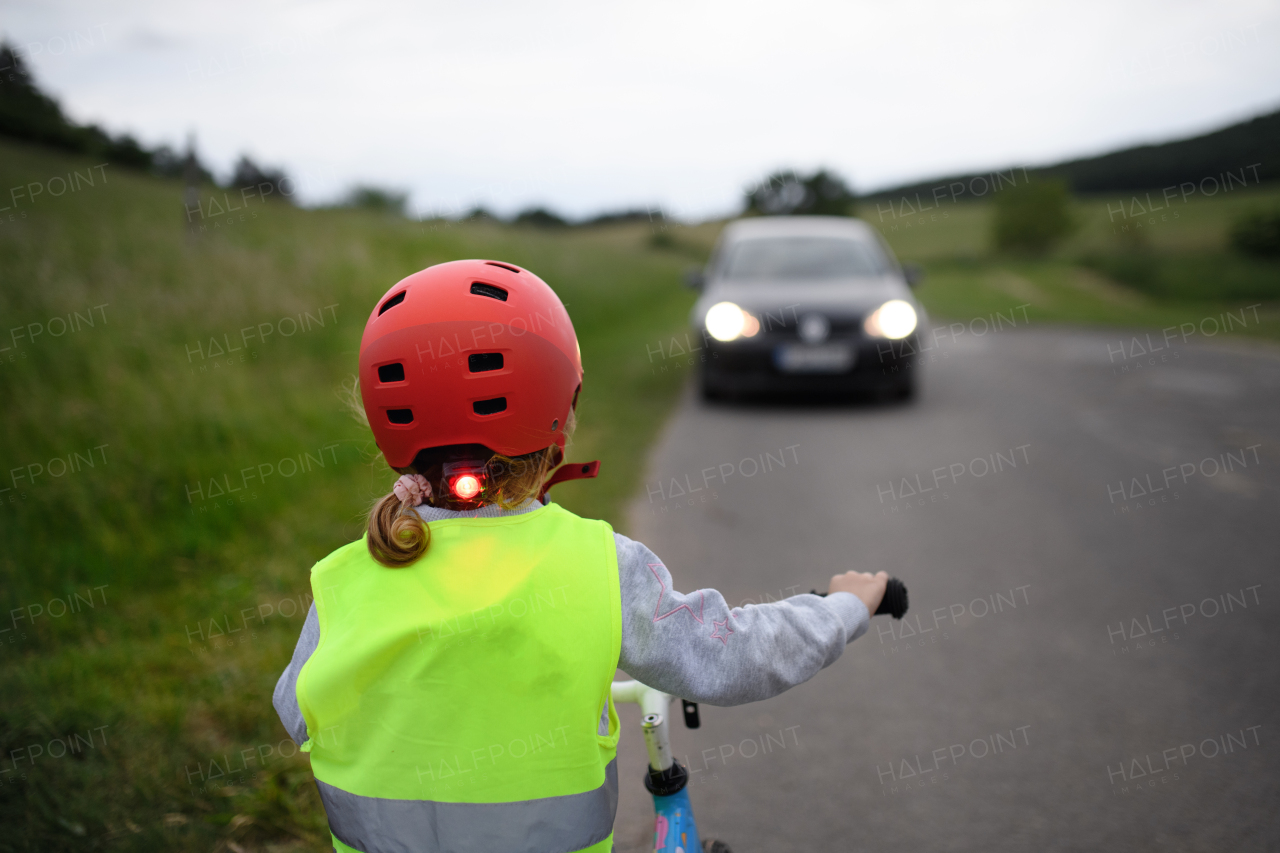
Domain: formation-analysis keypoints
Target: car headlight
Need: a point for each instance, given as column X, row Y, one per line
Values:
column 727, row 322
column 895, row 320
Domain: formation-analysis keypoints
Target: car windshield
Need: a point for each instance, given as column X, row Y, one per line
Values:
column 802, row 258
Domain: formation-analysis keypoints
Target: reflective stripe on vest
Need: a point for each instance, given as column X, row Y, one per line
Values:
column 456, row 704
column 551, row 825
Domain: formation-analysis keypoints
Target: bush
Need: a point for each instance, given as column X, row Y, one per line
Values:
column 1193, row 277
column 540, row 217
column 1032, row 217
column 1257, row 234
column 377, row 198
column 635, row 214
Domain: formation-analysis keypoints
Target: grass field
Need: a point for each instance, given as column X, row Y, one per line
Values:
column 147, row 372
column 1168, row 268
column 176, row 454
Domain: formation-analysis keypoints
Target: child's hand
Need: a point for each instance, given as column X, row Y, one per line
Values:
column 868, row 587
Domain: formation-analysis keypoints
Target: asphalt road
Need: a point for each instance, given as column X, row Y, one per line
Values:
column 1088, row 663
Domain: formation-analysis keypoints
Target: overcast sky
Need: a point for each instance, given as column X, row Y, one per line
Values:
column 593, row 106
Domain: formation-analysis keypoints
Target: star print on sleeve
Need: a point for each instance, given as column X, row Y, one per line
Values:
column 662, row 589
column 715, row 631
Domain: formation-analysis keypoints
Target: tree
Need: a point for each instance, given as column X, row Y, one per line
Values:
column 27, row 113
column 168, row 163
column 823, row 193
column 249, row 175
column 1032, row 217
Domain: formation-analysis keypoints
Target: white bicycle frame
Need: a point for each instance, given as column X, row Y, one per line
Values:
column 654, row 704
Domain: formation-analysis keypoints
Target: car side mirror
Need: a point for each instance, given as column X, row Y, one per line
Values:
column 695, row 278
column 913, row 273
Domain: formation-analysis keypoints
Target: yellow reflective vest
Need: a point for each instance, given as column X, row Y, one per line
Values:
column 461, row 704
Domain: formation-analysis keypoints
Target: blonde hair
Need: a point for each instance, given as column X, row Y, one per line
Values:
column 398, row 536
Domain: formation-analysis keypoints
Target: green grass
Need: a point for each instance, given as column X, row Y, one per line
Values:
column 1168, row 267
column 1190, row 278
column 139, row 393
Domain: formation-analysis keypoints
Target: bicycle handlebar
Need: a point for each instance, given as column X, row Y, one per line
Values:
column 895, row 599
column 894, row 602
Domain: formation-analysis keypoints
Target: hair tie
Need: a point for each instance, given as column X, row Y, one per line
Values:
column 412, row 489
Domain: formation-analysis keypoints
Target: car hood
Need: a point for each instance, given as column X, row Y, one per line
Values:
column 853, row 297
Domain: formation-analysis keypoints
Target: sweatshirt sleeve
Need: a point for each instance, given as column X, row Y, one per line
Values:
column 698, row 648
column 285, row 697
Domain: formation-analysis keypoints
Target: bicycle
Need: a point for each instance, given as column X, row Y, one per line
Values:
column 674, row 829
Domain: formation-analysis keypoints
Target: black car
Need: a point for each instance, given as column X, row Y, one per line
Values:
column 806, row 304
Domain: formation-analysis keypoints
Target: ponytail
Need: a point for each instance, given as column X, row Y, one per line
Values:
column 397, row 534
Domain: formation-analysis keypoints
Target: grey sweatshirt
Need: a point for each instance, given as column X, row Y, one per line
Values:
column 693, row 645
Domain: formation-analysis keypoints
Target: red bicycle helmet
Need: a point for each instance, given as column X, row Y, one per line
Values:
column 469, row 352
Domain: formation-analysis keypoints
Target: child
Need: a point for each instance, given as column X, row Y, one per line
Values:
column 452, row 678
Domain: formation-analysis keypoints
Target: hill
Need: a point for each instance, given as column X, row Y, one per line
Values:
column 1246, row 149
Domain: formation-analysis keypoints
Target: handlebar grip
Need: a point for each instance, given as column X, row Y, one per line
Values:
column 895, row 599
column 894, row 602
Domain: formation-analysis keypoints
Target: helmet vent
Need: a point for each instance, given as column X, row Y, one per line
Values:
column 490, row 407
column 400, row 416
column 481, row 362
column 479, row 288
column 391, row 372
column 504, row 266
column 392, row 302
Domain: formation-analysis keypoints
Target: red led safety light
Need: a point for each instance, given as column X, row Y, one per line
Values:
column 465, row 487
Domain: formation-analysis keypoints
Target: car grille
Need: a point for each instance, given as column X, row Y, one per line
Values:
column 786, row 327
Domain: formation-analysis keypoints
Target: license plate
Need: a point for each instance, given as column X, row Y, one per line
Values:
column 828, row 358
